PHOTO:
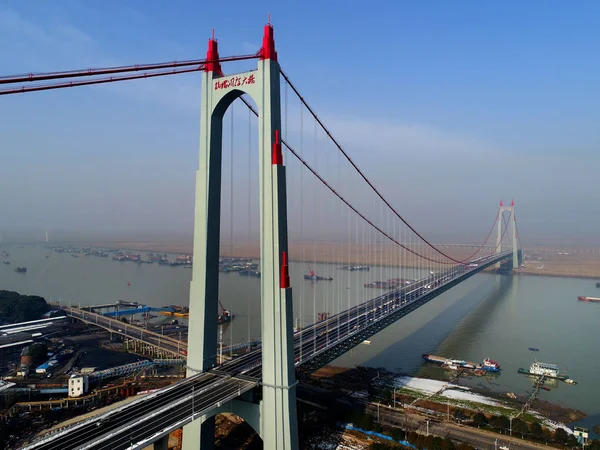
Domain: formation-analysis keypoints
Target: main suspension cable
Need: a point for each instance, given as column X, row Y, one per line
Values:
column 363, row 176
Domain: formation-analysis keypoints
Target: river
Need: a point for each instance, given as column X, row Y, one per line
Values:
column 486, row 316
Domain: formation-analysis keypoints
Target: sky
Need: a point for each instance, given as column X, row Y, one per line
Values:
column 447, row 106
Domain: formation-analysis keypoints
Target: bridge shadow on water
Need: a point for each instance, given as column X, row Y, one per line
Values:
column 321, row 403
column 449, row 330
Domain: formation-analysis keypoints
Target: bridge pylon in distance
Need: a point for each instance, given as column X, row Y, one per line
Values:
column 512, row 221
column 277, row 412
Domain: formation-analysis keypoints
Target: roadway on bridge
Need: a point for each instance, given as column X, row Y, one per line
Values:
column 120, row 428
column 167, row 343
column 139, row 423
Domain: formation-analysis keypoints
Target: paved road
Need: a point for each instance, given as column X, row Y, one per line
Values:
column 477, row 437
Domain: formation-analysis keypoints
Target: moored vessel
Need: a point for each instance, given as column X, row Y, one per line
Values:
column 314, row 277
column 543, row 369
column 488, row 365
column 583, row 298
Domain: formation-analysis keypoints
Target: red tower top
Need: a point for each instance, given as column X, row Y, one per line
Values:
column 268, row 46
column 212, row 55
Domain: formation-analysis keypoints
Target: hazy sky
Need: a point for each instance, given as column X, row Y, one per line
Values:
column 448, row 106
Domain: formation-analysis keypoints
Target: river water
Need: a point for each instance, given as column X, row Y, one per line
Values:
column 487, row 316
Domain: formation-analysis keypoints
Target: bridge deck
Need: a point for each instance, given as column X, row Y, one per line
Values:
column 141, row 422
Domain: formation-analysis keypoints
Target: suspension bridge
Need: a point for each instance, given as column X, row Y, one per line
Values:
column 307, row 187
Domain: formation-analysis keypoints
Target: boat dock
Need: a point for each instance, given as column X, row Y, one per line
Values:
column 539, row 383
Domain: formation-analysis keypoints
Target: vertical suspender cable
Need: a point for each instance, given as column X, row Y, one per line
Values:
column 249, row 201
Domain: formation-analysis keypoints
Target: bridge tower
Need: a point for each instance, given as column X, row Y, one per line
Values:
column 276, row 415
column 501, row 231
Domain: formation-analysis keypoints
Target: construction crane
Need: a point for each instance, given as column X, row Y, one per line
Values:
column 225, row 316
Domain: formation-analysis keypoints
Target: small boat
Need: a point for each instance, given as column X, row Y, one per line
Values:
column 21, row 269
column 6, row 262
column 533, row 349
column 545, row 388
column 598, row 284
column 570, row 381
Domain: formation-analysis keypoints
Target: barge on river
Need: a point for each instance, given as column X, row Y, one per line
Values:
column 540, row 369
column 489, row 365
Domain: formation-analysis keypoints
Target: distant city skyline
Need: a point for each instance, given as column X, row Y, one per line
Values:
column 447, row 107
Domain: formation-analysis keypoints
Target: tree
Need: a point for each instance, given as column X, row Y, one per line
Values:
column 437, row 443
column 420, row 442
column 519, row 426
column 447, row 444
column 536, row 429
column 479, row 419
column 465, row 446
column 387, row 396
column 20, row 308
column 366, row 423
column 560, row 435
column 399, row 435
column 594, row 445
column 428, row 442
column 500, row 422
column 38, row 353
column 412, row 437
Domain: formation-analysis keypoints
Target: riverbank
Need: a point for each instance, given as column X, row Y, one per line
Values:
column 440, row 396
column 577, row 263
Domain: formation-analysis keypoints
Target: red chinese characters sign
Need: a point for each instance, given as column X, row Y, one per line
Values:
column 235, row 82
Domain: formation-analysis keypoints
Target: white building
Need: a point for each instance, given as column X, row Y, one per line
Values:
column 78, row 385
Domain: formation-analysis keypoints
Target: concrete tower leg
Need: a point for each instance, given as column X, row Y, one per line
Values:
column 204, row 287
column 515, row 247
column 499, row 238
column 279, row 428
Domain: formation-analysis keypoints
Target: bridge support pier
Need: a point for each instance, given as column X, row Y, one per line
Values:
column 161, row 444
column 250, row 412
column 515, row 245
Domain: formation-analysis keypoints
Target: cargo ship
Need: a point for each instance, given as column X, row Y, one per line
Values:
column 540, row 369
column 487, row 365
column 582, row 298
column 354, row 268
column 313, row 277
column 317, row 278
